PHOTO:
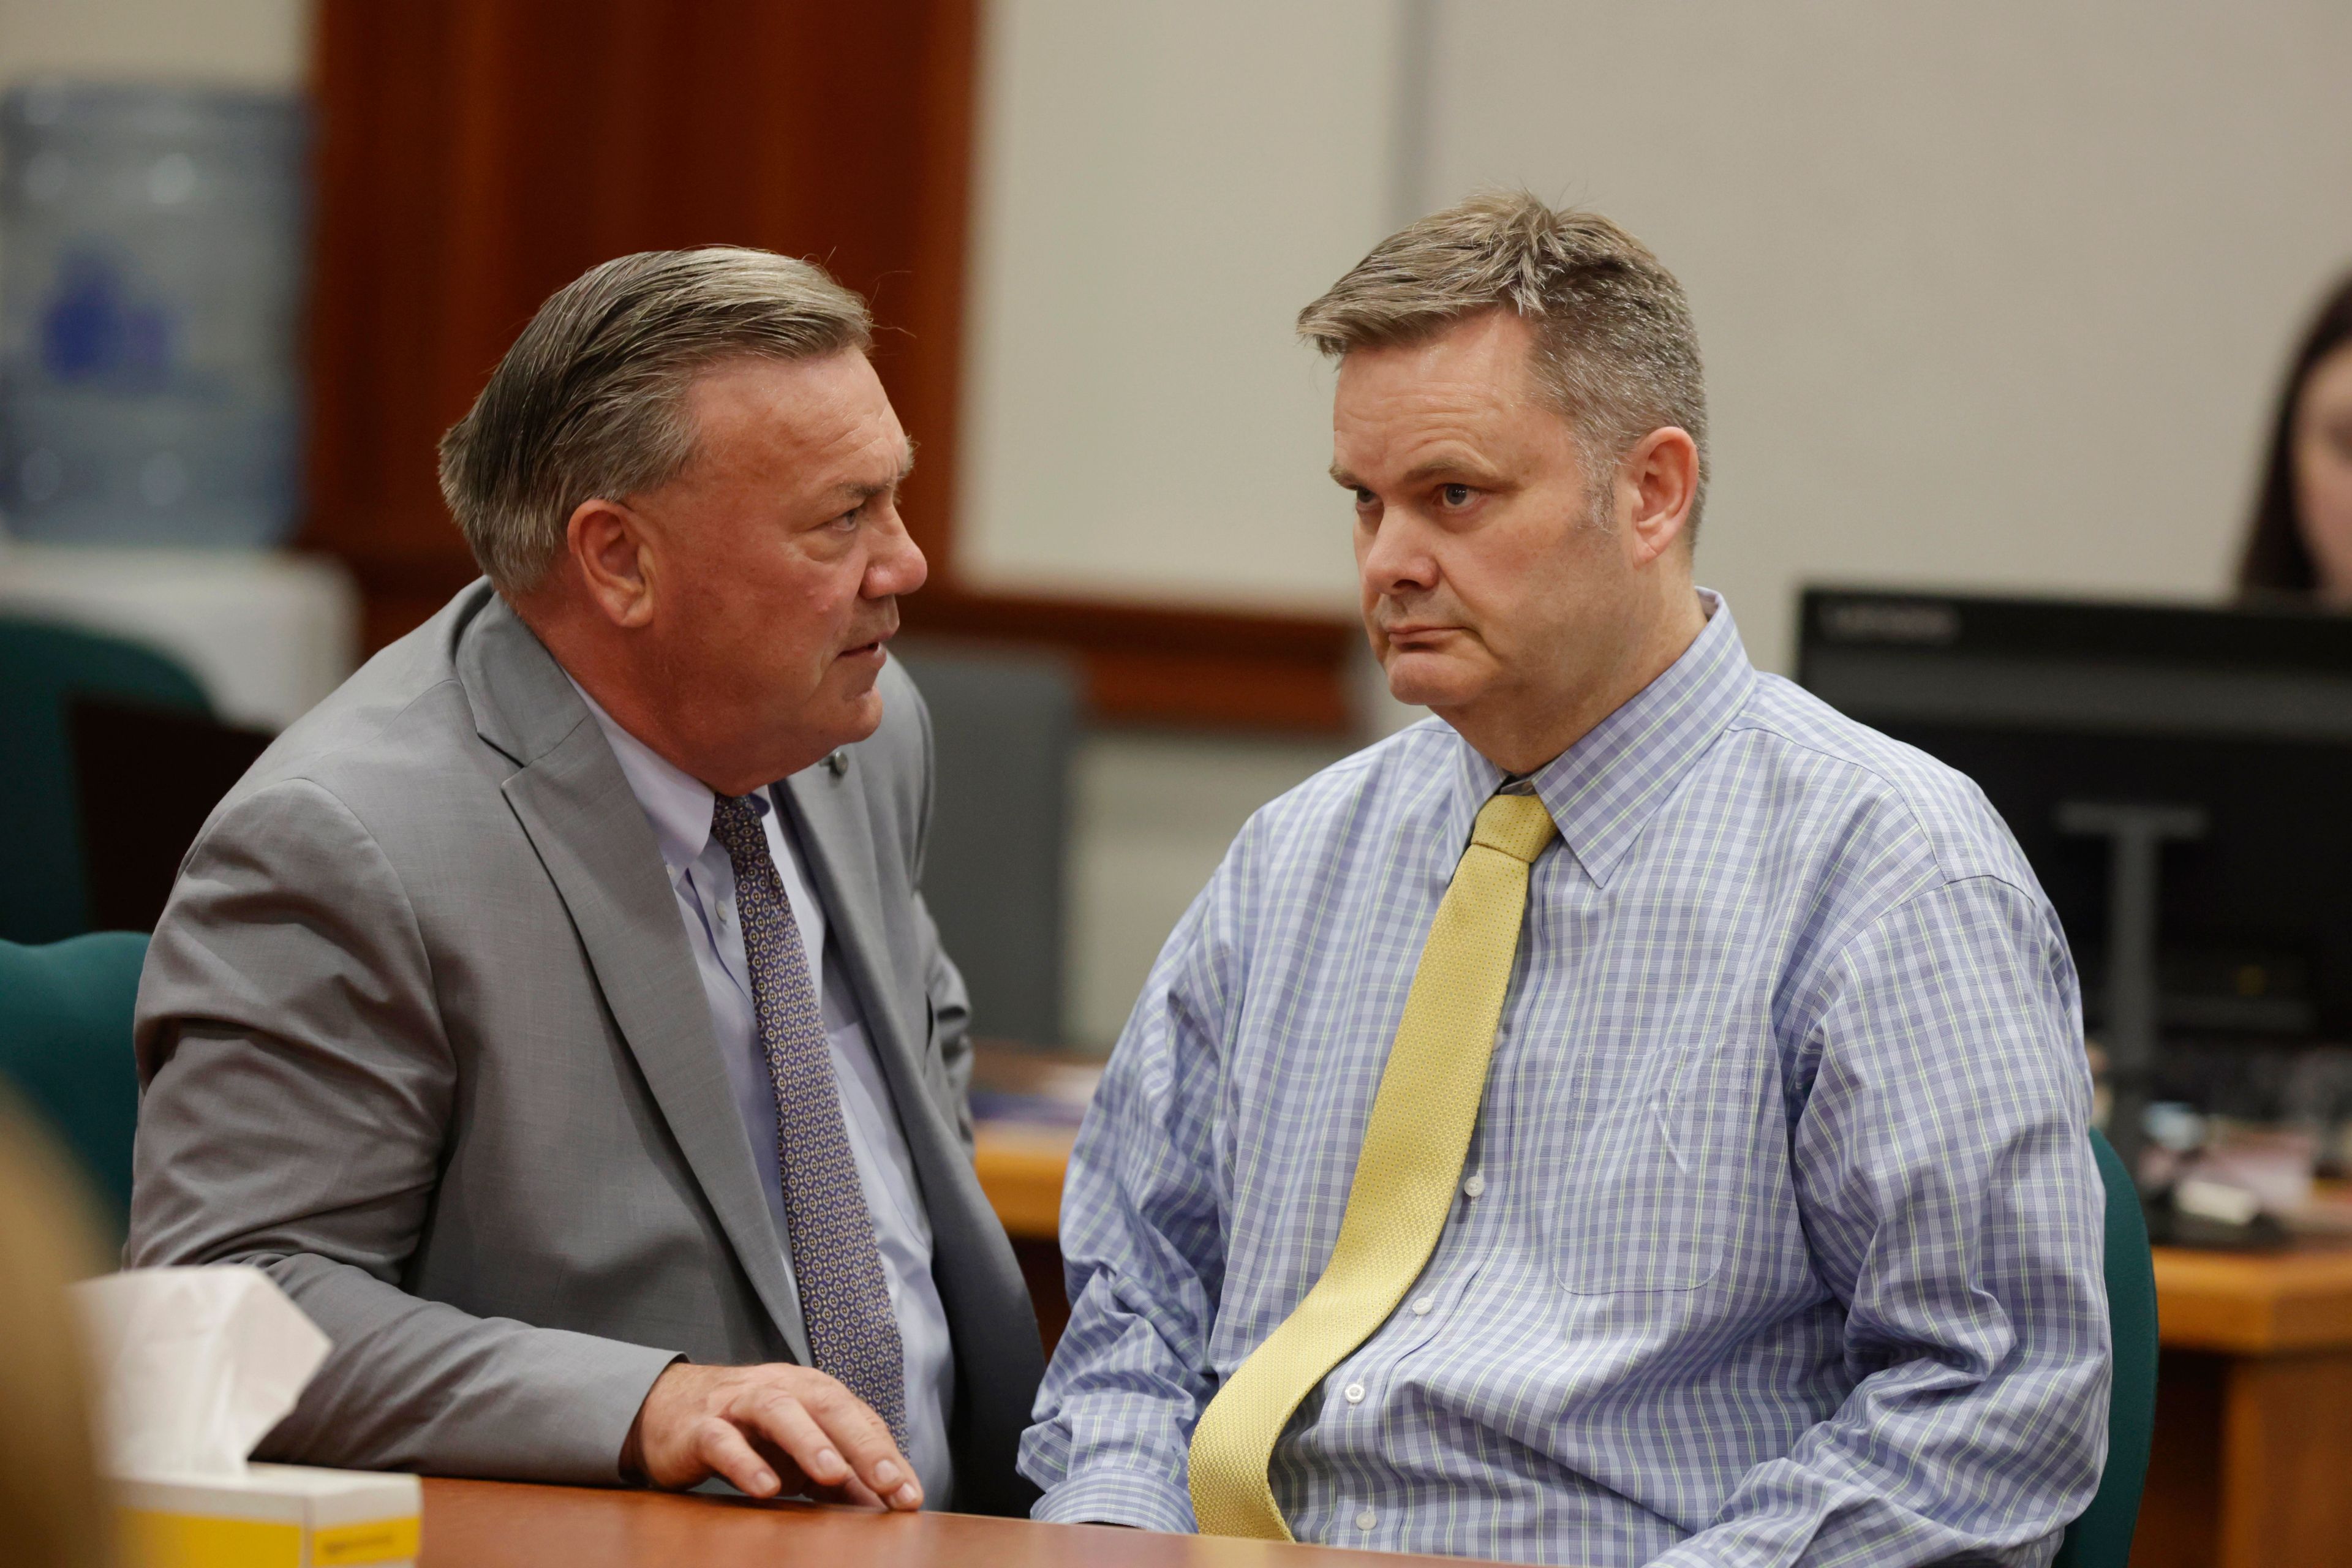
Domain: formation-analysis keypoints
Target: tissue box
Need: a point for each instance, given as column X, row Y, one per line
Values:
column 273, row 1516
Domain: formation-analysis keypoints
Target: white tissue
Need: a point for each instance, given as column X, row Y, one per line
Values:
column 195, row 1365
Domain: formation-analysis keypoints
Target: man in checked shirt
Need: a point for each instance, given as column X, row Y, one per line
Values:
column 1691, row 1170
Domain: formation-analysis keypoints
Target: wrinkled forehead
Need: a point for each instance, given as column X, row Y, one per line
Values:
column 1470, row 387
column 825, row 422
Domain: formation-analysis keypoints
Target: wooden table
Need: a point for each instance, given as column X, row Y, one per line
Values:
column 2253, row 1412
column 498, row 1524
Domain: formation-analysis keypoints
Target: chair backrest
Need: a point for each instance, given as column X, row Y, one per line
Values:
column 42, row 666
column 150, row 813
column 2102, row 1538
column 1003, row 729
column 65, row 1045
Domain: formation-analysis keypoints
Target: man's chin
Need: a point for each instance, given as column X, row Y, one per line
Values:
column 859, row 717
column 1429, row 679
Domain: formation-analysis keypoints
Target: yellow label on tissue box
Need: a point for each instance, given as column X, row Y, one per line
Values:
column 271, row 1516
column 192, row 1541
column 376, row 1540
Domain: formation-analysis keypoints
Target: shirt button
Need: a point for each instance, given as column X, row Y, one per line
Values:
column 1366, row 1518
column 1354, row 1394
column 1421, row 1305
column 1475, row 1188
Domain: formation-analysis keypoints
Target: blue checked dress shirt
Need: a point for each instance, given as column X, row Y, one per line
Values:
column 1778, row 1241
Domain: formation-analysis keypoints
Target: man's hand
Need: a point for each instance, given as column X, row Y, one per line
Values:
column 769, row 1431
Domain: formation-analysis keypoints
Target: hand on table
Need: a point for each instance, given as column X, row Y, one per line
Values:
column 767, row 1430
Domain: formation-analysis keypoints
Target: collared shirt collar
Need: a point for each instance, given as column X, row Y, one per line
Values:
column 1602, row 790
column 678, row 805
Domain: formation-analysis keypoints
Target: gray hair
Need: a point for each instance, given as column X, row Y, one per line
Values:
column 1615, row 349
column 591, row 400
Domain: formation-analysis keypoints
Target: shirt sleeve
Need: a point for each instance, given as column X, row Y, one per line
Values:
column 1142, row 1241
column 1953, row 1207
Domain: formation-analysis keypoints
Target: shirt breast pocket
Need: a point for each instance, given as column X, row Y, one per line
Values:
column 1635, row 1211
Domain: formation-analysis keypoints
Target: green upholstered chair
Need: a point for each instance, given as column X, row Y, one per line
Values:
column 65, row 1045
column 2102, row 1538
column 43, row 667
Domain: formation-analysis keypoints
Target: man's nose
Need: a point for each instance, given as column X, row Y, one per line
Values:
column 897, row 564
column 1398, row 559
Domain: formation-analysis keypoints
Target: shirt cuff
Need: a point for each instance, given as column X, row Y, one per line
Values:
column 1114, row 1496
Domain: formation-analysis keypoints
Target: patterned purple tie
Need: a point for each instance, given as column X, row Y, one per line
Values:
column 851, row 1330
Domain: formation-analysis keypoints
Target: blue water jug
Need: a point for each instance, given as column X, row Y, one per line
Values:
column 151, row 291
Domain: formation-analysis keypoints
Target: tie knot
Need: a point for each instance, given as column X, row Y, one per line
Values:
column 735, row 823
column 1518, row 825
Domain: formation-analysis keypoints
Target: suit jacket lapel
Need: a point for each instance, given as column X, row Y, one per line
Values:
column 592, row 836
column 838, row 843
column 829, row 812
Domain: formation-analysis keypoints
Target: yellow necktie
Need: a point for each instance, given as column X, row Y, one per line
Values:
column 1405, row 1175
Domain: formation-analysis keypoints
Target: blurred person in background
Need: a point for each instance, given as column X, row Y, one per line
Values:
column 2301, row 543
column 54, row 1508
column 1768, row 1236
column 552, row 1011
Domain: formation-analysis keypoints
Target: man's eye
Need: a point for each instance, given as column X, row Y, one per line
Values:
column 1456, row 496
column 1365, row 499
column 850, row 519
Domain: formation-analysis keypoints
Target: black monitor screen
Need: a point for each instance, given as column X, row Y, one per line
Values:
column 2244, row 716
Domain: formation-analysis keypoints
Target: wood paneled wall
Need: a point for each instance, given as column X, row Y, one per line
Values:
column 475, row 156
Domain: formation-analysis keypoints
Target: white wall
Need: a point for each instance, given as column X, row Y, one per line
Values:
column 1159, row 188
column 1991, row 294
column 251, row 43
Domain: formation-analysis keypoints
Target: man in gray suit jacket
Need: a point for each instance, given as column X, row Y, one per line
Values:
column 552, row 1011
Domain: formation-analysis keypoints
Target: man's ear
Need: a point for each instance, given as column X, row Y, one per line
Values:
column 609, row 549
column 1657, row 482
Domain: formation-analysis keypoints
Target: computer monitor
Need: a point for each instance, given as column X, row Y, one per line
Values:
column 2226, row 735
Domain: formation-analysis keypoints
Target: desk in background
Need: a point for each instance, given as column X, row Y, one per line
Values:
column 2253, row 1412
column 498, row 1524
column 1026, row 1104
column 1021, row 1169
column 2253, row 1466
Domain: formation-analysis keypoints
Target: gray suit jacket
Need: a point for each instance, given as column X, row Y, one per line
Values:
column 420, row 1034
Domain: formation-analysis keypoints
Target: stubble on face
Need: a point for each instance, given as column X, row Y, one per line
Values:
column 1485, row 574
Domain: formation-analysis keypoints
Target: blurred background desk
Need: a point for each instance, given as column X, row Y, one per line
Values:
column 1025, row 1106
column 494, row 1524
column 2252, row 1462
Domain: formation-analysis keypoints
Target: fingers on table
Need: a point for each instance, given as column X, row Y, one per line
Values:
column 836, row 1440
column 719, row 1445
column 865, row 1440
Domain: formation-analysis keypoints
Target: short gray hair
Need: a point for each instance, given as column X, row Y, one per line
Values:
column 591, row 400
column 1614, row 344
